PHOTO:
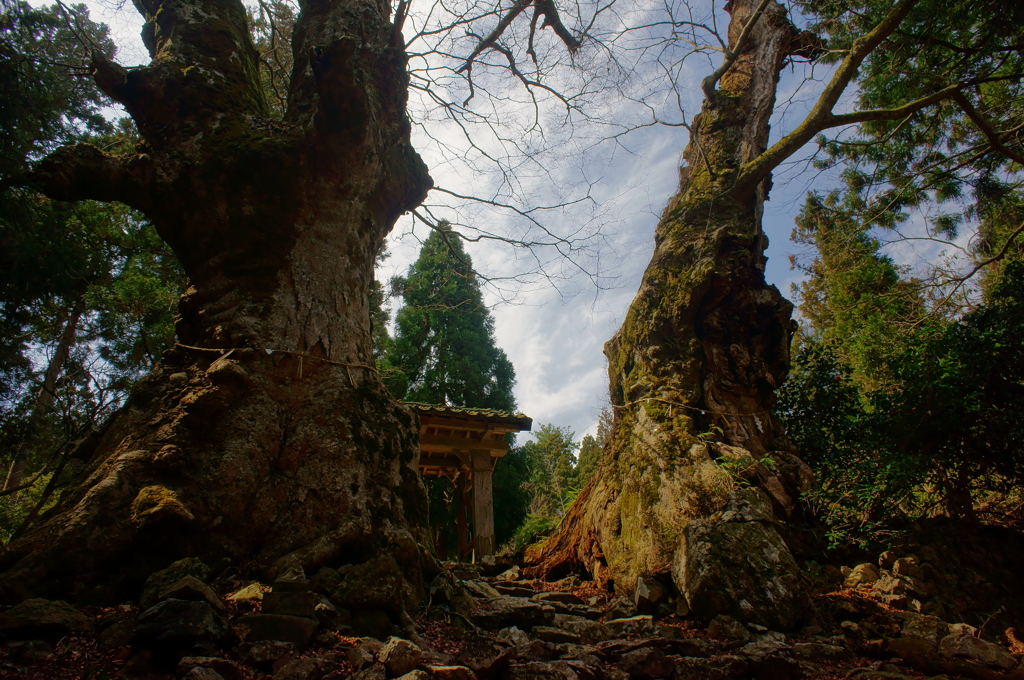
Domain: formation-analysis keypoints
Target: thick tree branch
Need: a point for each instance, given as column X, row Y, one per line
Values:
column 731, row 55
column 82, row 171
column 821, row 116
column 983, row 125
column 545, row 8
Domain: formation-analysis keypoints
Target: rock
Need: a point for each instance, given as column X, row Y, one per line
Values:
column 264, row 653
column 553, row 634
column 634, row 625
column 510, row 575
column 739, row 565
column 326, row 581
column 481, row 589
column 817, row 651
column 117, row 634
column 245, row 598
column 202, row 673
column 188, row 587
column 161, row 580
column 886, row 560
column 416, row 675
column 372, row 623
column 587, row 631
column 722, row 667
column 450, row 673
column 647, row 663
column 229, row 670
column 851, row 629
column 927, row 628
column 539, row 670
column 39, row 618
column 181, row 623
column 513, row 636
column 483, row 657
column 445, row 589
column 514, row 590
column 648, row 594
column 771, row 661
column 965, row 646
column 299, row 603
column 295, row 629
column 399, row 656
column 862, row 574
column 377, row 584
column 374, row 672
column 365, row 654
column 908, row 566
column 306, row 668
column 621, row 608
column 724, row 627
column 501, row 612
column 554, row 596
column 328, row 615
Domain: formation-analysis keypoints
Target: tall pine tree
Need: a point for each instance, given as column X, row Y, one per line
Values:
column 444, row 336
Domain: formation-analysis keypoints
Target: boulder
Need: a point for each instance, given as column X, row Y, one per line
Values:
column 481, row 589
column 886, row 560
column 554, row 596
column 447, row 590
column 326, row 581
column 181, row 623
column 227, row 669
column 634, row 625
column 202, row 673
column 306, row 668
column 188, row 587
column 299, row 603
column 513, row 636
column 928, row 628
column 415, row 675
column 726, row 628
column 372, row 623
column 450, row 673
column 554, row 634
column 264, row 653
column 648, row 594
column 504, row 611
column 862, row 574
column 721, row 667
column 585, row 630
column 483, row 657
column 738, row 564
column 908, row 566
column 377, row 584
column 399, row 656
column 818, row 651
column 159, row 581
column 647, row 663
column 295, row 629
column 39, row 618
column 965, row 646
column 771, row 661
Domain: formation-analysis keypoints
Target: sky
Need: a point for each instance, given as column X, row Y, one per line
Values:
column 553, row 324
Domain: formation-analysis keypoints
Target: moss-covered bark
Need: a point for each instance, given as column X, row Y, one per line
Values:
column 703, row 346
column 226, row 451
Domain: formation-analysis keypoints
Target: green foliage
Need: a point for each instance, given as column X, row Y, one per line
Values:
column 949, row 434
column 444, row 335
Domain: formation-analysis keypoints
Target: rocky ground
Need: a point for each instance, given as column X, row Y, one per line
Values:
column 870, row 621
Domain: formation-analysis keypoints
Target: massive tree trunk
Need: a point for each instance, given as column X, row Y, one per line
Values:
column 265, row 434
column 692, row 373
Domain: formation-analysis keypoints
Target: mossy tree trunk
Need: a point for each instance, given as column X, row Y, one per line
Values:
column 693, row 368
column 227, row 450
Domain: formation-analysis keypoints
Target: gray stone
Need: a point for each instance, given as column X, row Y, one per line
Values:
column 481, row 589
column 181, row 623
column 39, row 618
column 908, row 566
column 326, row 581
column 647, row 663
column 416, row 675
column 291, row 603
column 399, row 656
column 372, row 623
column 553, row 634
column 928, row 628
column 188, row 587
column 202, row 673
column 634, row 625
column 816, row 651
column 722, row 667
column 862, row 574
column 724, row 627
column 160, row 580
column 586, row 630
column 294, row 629
column 377, row 584
column 512, row 636
column 306, row 668
column 229, row 670
column 450, row 673
column 965, row 646
column 648, row 594
column 374, row 672
column 539, row 670
column 554, row 596
column 740, row 566
column 264, row 653
column 504, row 611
